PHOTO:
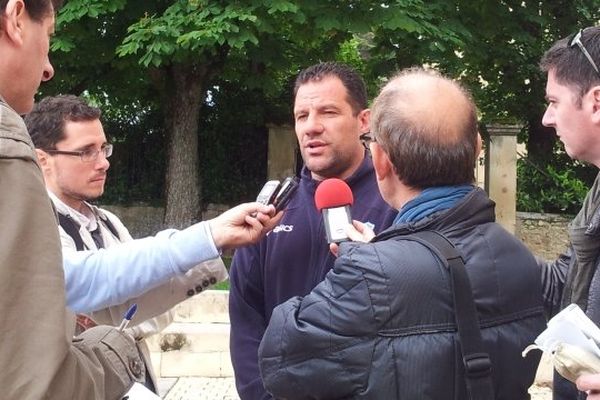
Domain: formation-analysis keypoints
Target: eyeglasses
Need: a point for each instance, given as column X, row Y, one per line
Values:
column 576, row 40
column 89, row 155
column 366, row 139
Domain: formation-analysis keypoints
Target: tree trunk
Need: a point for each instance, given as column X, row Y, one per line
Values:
column 183, row 98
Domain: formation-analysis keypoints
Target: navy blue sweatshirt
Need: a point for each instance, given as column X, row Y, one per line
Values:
column 289, row 262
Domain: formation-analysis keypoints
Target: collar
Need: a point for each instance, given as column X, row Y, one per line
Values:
column 88, row 221
column 430, row 201
column 364, row 169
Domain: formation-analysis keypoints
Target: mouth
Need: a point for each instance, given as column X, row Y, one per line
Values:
column 99, row 179
column 314, row 144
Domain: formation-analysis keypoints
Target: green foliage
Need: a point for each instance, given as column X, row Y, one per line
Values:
column 136, row 174
column 251, row 50
column 233, row 165
column 549, row 190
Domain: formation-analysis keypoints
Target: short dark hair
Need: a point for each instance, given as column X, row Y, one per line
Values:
column 571, row 66
column 352, row 81
column 46, row 122
column 426, row 149
column 37, row 9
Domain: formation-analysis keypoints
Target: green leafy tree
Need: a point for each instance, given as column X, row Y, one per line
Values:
column 169, row 52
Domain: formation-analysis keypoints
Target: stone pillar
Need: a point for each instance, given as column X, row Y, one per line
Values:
column 501, row 172
column 282, row 152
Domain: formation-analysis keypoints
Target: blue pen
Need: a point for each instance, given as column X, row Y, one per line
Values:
column 128, row 315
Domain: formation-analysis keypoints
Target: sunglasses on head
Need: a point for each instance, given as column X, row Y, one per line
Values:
column 576, row 41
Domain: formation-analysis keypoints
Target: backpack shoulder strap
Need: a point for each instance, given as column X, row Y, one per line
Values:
column 108, row 223
column 477, row 363
column 72, row 229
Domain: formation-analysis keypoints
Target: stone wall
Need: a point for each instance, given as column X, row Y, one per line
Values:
column 544, row 234
column 141, row 221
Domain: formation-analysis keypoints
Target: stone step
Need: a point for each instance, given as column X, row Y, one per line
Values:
column 192, row 349
column 210, row 306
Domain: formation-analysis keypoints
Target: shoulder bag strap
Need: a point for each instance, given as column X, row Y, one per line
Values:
column 72, row 229
column 477, row 363
column 111, row 227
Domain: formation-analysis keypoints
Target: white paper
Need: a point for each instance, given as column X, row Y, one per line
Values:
column 140, row 392
column 570, row 326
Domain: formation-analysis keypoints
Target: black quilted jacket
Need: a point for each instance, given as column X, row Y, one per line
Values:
column 381, row 324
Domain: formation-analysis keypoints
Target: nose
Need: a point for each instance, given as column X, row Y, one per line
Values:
column 548, row 118
column 48, row 72
column 102, row 162
column 313, row 125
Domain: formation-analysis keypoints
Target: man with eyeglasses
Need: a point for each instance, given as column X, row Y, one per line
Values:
column 573, row 95
column 73, row 153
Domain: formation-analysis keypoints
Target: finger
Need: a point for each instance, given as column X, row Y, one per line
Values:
column 589, row 382
column 354, row 234
column 256, row 207
column 334, row 248
column 358, row 225
column 274, row 221
column 254, row 223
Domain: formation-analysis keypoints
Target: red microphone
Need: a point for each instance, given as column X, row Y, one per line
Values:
column 333, row 198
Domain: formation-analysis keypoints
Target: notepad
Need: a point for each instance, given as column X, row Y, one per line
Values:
column 570, row 326
column 140, row 392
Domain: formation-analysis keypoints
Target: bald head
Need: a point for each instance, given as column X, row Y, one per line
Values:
column 427, row 124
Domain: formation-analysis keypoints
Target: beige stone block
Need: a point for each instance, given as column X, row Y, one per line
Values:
column 181, row 363
column 201, row 337
column 226, row 366
column 208, row 306
column 156, row 358
column 153, row 343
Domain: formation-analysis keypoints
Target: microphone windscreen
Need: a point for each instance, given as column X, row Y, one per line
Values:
column 333, row 192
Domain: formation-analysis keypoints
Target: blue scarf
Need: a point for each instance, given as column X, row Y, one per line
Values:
column 431, row 200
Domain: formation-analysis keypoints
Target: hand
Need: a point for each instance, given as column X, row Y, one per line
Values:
column 243, row 225
column 357, row 232
column 591, row 385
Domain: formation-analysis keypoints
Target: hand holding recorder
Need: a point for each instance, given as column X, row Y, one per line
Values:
column 242, row 225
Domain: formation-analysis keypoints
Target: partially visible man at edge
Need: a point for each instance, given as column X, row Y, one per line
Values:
column 330, row 114
column 572, row 65
column 39, row 357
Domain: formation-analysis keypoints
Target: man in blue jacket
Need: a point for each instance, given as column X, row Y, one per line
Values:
column 330, row 113
column 381, row 325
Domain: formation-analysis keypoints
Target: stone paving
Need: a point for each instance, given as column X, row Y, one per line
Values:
column 200, row 388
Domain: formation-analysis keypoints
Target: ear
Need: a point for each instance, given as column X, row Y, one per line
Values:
column 595, row 97
column 381, row 162
column 478, row 146
column 363, row 118
column 13, row 20
column 42, row 158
